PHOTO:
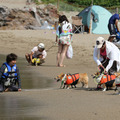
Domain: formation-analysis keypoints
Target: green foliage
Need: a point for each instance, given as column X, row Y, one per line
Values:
column 49, row 1
column 83, row 3
column 64, row 5
column 106, row 3
column 36, row 2
column 68, row 7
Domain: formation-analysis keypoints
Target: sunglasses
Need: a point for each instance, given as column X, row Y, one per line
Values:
column 97, row 43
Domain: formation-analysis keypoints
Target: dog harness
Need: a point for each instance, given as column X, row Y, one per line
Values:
column 107, row 78
column 71, row 78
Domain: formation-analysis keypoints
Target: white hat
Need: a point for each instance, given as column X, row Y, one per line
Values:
column 41, row 45
column 99, row 42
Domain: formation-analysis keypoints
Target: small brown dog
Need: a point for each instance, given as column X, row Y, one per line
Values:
column 106, row 81
column 72, row 79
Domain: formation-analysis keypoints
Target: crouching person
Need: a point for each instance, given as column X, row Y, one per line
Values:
column 9, row 75
column 37, row 55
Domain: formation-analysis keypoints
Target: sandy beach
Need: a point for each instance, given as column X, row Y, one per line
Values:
column 53, row 103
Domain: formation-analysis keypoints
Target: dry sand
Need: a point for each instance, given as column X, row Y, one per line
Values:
column 13, row 3
column 54, row 103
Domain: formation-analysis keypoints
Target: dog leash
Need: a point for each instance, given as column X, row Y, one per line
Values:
column 51, row 47
column 117, row 75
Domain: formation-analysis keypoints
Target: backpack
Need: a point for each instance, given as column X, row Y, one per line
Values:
column 65, row 28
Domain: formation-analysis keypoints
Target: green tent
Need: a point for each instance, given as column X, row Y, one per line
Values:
column 100, row 17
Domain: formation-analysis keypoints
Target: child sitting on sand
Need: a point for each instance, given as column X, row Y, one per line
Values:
column 9, row 75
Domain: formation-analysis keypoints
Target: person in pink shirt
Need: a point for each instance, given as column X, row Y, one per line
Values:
column 107, row 56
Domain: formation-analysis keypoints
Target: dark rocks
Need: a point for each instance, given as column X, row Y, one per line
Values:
column 27, row 18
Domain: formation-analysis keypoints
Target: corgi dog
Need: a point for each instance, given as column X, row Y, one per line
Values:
column 72, row 79
column 106, row 81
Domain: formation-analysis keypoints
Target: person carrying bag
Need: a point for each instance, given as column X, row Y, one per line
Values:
column 64, row 38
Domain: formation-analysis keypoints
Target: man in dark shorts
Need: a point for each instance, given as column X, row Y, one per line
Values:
column 113, row 26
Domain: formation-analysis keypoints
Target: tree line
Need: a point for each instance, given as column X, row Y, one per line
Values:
column 104, row 3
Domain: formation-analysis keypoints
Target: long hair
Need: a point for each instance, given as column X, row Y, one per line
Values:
column 62, row 18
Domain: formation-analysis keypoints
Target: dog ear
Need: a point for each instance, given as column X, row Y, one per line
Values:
column 98, row 73
column 61, row 74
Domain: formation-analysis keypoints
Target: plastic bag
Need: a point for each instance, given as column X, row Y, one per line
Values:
column 69, row 53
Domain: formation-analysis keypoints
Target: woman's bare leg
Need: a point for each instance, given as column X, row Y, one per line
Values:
column 63, row 53
column 59, row 53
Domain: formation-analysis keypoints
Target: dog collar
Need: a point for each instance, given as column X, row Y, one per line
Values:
column 63, row 79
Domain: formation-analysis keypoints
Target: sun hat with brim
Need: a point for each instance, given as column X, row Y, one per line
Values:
column 99, row 42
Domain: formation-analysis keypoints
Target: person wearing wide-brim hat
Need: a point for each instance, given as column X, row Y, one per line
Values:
column 107, row 55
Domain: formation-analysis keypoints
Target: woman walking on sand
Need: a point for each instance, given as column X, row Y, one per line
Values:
column 63, row 37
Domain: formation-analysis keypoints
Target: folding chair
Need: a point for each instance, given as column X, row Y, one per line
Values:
column 78, row 27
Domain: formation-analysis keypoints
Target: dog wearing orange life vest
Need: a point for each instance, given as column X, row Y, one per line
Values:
column 106, row 81
column 72, row 79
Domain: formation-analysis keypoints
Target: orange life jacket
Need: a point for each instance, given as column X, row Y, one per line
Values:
column 107, row 78
column 72, row 78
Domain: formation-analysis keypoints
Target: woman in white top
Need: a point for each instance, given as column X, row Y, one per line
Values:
column 107, row 55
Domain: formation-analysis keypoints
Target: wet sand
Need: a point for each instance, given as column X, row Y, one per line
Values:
column 50, row 102
column 41, row 98
column 35, row 79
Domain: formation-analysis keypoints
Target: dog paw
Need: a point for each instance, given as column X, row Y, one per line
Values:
column 104, row 89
